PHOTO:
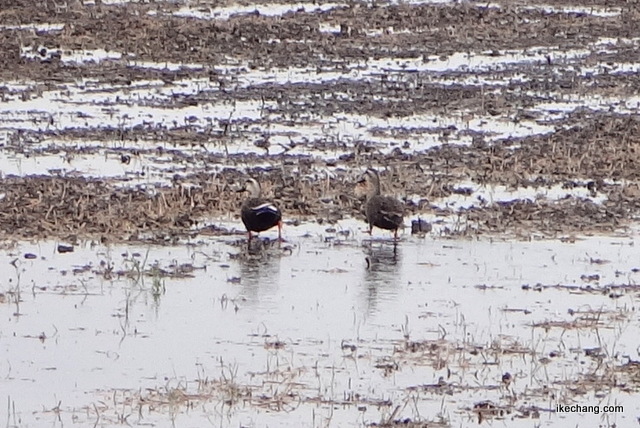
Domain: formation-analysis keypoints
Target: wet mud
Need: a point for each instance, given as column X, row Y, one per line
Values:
column 509, row 131
column 435, row 94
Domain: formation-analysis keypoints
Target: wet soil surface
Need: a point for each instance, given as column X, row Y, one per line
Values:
column 131, row 125
column 445, row 98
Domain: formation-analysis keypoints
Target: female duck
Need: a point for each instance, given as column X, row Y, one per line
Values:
column 384, row 212
column 257, row 213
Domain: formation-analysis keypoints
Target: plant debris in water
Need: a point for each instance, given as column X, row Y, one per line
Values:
column 134, row 121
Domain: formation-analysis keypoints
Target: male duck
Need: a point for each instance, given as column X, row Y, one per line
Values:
column 259, row 214
column 384, row 212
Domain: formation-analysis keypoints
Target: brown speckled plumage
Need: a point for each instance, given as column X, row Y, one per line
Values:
column 384, row 212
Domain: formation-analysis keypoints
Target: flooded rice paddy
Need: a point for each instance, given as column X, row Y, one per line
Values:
column 323, row 330
column 130, row 295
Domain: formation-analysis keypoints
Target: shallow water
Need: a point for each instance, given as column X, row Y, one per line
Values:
column 309, row 324
column 155, row 105
column 331, row 328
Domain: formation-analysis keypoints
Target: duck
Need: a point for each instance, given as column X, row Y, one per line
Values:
column 259, row 214
column 383, row 212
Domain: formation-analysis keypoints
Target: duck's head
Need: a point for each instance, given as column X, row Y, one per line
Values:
column 368, row 183
column 252, row 186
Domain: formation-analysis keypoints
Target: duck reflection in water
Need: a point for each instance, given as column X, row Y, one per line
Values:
column 259, row 269
column 380, row 257
column 262, row 247
column 382, row 265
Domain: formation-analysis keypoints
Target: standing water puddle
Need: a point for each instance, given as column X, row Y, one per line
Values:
column 320, row 330
column 126, row 117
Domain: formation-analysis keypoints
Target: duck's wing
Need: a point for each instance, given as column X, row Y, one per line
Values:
column 391, row 209
column 265, row 208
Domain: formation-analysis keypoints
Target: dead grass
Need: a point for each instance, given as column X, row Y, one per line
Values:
column 40, row 206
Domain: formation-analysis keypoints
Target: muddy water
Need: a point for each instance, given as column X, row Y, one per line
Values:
column 322, row 330
column 331, row 328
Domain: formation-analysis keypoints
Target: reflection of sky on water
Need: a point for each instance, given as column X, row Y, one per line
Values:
column 155, row 105
column 314, row 296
